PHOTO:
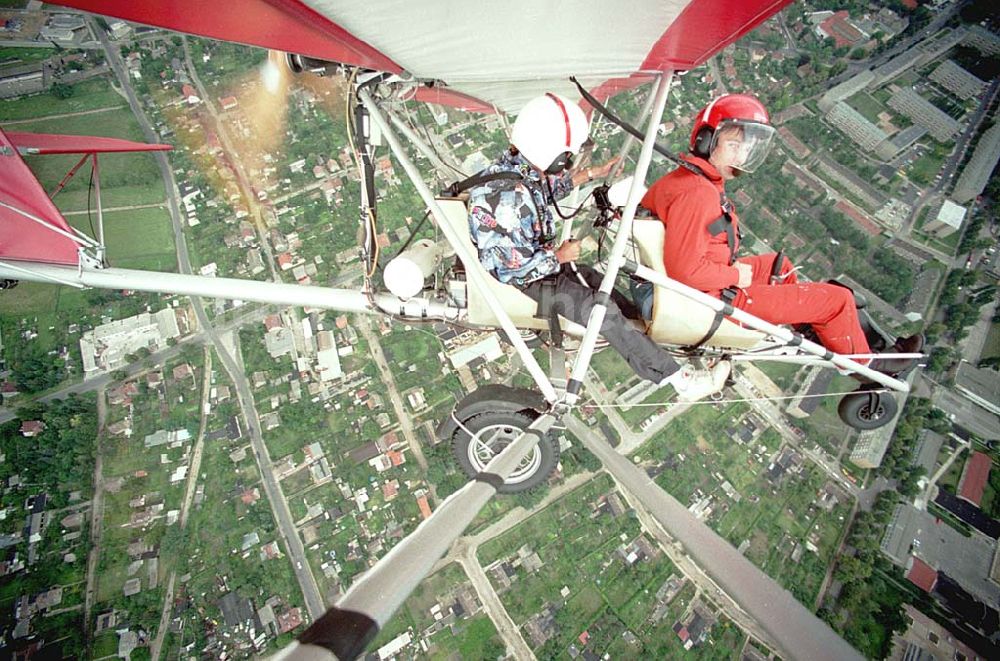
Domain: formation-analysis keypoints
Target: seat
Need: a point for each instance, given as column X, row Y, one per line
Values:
column 677, row 319
column 520, row 308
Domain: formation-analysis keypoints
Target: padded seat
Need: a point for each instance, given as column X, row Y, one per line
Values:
column 677, row 319
column 520, row 308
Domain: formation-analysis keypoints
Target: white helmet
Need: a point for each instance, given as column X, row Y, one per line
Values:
column 548, row 131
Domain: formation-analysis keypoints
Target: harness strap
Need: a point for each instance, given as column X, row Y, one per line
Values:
column 547, row 309
column 728, row 295
column 724, row 223
column 478, row 180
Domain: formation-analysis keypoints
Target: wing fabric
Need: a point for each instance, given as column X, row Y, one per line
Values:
column 21, row 237
column 501, row 53
column 48, row 143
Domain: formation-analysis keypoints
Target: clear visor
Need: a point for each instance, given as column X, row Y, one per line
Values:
column 747, row 143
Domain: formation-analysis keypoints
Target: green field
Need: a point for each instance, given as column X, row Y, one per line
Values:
column 867, row 106
column 88, row 95
column 137, row 238
column 18, row 56
column 992, row 346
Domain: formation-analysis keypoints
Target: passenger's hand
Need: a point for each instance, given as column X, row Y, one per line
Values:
column 746, row 275
column 569, row 251
column 602, row 171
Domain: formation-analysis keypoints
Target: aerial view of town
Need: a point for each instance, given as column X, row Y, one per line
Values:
column 189, row 477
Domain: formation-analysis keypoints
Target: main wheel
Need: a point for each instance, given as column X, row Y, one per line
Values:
column 491, row 433
column 867, row 409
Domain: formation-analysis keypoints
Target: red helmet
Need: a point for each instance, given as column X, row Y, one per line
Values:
column 735, row 110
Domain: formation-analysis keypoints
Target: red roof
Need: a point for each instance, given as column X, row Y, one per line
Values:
column 395, row 457
column 32, row 427
column 974, row 478
column 188, row 91
column 922, row 575
column 425, row 509
column 839, row 27
column 289, row 620
column 857, row 216
column 228, row 102
column 272, row 321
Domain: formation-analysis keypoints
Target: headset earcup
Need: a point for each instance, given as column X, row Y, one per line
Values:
column 562, row 162
column 703, row 142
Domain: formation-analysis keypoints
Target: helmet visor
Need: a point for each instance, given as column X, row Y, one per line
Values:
column 750, row 142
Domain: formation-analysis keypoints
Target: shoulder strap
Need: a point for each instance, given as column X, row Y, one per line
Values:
column 724, row 223
column 460, row 187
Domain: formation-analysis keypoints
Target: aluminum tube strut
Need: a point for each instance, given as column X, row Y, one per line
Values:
column 344, row 630
column 421, row 146
column 779, row 332
column 478, row 279
column 615, row 259
column 344, row 300
column 81, row 239
column 96, row 171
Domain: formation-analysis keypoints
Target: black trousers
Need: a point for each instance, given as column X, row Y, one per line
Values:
column 574, row 296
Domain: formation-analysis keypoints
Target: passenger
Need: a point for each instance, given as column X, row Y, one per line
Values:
column 512, row 226
column 732, row 135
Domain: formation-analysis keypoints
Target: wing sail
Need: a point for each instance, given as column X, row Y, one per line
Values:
column 501, row 53
column 48, row 143
column 31, row 227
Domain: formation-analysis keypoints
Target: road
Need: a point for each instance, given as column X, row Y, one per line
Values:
column 405, row 425
column 797, row 633
column 464, row 552
column 96, row 520
column 770, row 411
column 508, row 631
column 950, row 167
column 279, row 507
column 155, row 358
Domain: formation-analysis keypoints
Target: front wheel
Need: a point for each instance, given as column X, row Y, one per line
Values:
column 867, row 409
column 493, row 431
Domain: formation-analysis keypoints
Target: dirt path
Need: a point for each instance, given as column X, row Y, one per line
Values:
column 131, row 207
column 96, row 522
column 8, row 124
column 192, row 481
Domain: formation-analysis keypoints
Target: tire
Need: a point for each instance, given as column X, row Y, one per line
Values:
column 492, row 432
column 867, row 409
column 530, row 337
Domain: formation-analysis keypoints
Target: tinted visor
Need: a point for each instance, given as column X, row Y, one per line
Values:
column 754, row 141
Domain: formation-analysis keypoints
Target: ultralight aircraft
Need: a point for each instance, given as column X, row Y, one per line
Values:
column 479, row 57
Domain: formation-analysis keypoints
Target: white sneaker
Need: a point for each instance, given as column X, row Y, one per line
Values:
column 692, row 385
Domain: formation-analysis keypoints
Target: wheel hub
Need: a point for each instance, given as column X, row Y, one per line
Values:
column 490, row 441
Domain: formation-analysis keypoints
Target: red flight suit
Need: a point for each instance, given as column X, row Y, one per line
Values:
column 688, row 203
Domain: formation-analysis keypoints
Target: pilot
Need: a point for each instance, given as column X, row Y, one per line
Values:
column 731, row 136
column 512, row 226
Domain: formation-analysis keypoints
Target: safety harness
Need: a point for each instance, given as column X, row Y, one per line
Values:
column 723, row 223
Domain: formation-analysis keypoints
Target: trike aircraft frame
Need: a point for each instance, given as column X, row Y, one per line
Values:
column 372, row 599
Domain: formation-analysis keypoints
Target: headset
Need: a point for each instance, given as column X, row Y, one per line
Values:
column 703, row 142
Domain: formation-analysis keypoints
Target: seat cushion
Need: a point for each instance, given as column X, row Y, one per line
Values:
column 678, row 319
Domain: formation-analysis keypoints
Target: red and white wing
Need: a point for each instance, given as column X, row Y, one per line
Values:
column 31, row 227
column 501, row 53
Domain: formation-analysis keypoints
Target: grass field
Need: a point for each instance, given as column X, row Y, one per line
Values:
column 137, row 238
column 120, row 196
column 88, row 95
column 991, row 347
column 17, row 56
column 116, row 169
column 867, row 106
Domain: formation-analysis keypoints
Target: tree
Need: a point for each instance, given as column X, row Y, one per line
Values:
column 61, row 90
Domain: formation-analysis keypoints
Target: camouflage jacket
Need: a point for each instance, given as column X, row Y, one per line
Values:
column 511, row 224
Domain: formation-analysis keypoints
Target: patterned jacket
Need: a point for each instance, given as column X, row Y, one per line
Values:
column 511, row 224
